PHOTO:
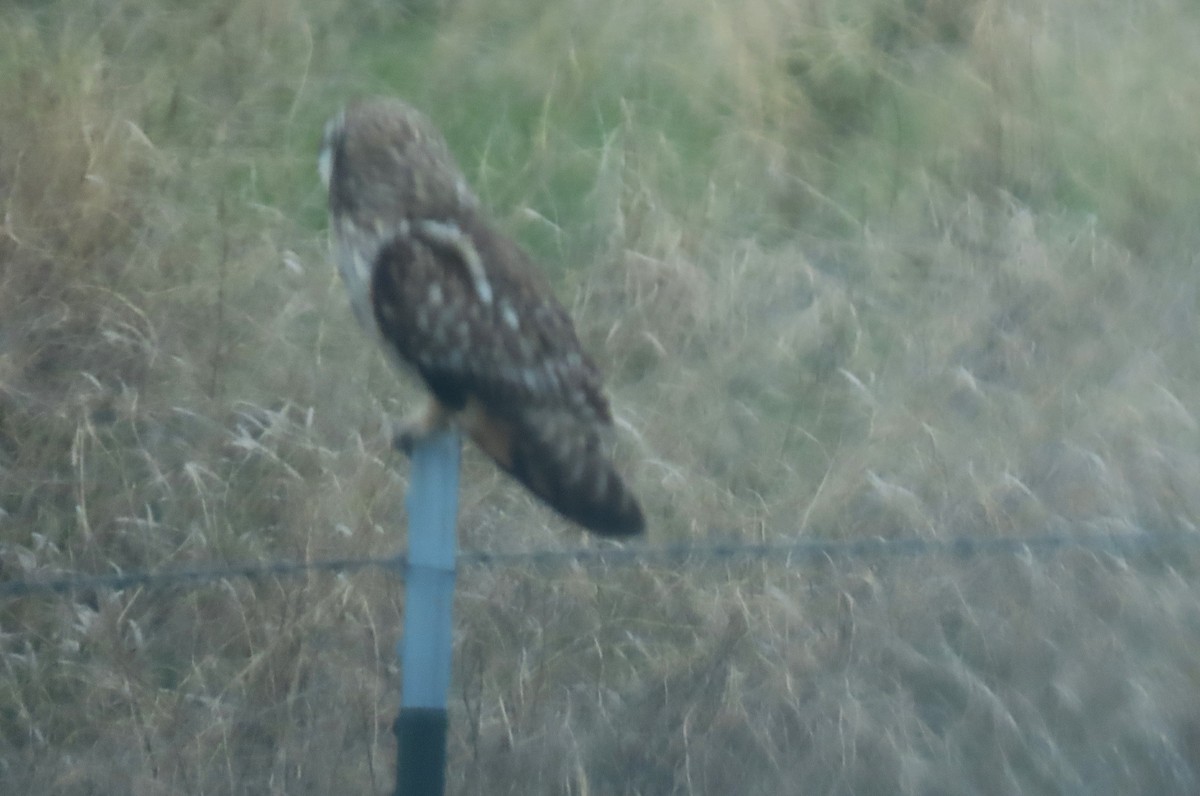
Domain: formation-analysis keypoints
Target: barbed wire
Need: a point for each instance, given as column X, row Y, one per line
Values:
column 196, row 576
column 817, row 550
column 795, row 552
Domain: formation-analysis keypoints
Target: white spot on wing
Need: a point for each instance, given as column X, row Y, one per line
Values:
column 463, row 193
column 449, row 234
column 509, row 314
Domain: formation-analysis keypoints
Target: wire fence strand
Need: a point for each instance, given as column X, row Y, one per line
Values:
column 798, row 552
column 194, row 576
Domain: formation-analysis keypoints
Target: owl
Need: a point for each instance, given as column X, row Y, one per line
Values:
column 455, row 301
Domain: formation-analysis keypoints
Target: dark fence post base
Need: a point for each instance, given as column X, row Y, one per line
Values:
column 420, row 751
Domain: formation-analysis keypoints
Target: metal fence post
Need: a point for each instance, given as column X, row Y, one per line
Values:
column 427, row 640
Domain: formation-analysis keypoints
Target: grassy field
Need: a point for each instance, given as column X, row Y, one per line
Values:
column 854, row 268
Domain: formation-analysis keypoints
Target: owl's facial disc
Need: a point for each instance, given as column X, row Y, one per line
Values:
column 333, row 130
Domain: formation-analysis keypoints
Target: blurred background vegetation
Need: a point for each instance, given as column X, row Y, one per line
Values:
column 855, row 268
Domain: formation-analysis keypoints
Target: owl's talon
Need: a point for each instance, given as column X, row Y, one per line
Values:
column 405, row 440
column 408, row 432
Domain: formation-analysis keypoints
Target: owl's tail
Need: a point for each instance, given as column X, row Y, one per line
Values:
column 562, row 461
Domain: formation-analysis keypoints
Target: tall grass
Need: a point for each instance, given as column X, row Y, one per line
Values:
column 854, row 269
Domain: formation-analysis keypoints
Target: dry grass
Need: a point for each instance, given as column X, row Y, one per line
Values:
column 855, row 269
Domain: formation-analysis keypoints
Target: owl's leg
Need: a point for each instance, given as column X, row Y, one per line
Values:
column 419, row 425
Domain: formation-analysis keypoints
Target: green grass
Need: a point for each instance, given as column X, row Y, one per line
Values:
column 853, row 269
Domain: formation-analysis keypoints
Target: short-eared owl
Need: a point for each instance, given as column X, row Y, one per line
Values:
column 455, row 300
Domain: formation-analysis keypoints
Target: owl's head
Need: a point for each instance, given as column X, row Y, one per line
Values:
column 383, row 160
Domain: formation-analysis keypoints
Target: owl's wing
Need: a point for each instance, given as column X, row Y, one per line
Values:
column 562, row 461
column 466, row 310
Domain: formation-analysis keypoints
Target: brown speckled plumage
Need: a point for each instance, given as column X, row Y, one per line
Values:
column 463, row 306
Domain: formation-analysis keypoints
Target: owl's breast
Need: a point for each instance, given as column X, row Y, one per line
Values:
column 355, row 270
column 355, row 254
